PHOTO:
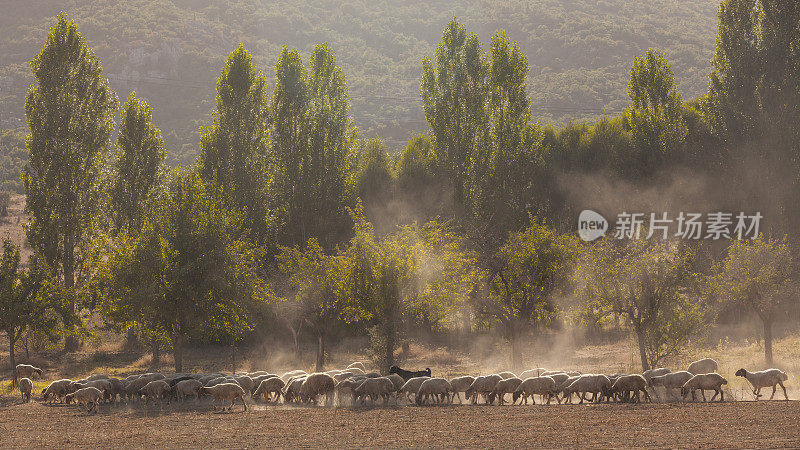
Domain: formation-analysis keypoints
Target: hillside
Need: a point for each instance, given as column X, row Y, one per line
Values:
column 171, row 52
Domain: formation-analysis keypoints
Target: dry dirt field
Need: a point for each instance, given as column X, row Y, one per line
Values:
column 725, row 425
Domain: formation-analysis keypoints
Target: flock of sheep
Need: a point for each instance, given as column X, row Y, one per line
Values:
column 355, row 386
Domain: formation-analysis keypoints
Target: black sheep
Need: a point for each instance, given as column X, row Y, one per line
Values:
column 409, row 374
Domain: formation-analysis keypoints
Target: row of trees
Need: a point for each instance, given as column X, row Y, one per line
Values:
column 268, row 227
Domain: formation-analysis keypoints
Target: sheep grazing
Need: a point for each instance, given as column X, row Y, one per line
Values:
column 291, row 391
column 705, row 382
column 627, row 387
column 670, row 381
column 133, row 388
column 507, row 375
column 26, row 371
column 224, row 392
column 437, row 389
column 85, row 397
column 291, row 374
column 318, row 384
column 459, row 385
column 706, row 365
column 765, row 378
column 25, row 387
column 269, row 387
column 343, row 376
column 358, row 364
column 397, row 381
column 374, row 388
column 531, row 373
column 483, row 385
column 158, row 389
column 347, row 388
column 648, row 374
column 544, row 386
column 588, row 384
column 185, row 388
column 412, row 386
column 245, row 382
column 57, row 390
column 557, row 377
column 409, row 374
column 503, row 387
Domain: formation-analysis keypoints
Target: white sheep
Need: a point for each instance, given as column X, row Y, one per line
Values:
column 705, row 382
column 506, row 375
column 483, row 385
column 318, row 384
column 245, row 382
column 459, row 385
column 291, row 374
column 670, row 381
column 765, row 378
column 503, row 387
column 596, row 385
column 358, row 364
column 412, row 387
column 544, row 386
column 437, row 389
column 223, row 392
column 291, row 391
column 188, row 388
column 626, row 385
column 158, row 389
column 268, row 387
column 56, row 390
column 25, row 371
column 374, row 388
column 531, row 373
column 85, row 397
column 25, row 387
column 648, row 374
column 706, row 365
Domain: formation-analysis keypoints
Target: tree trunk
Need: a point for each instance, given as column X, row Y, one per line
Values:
column 11, row 357
column 389, row 360
column 642, row 350
column 71, row 343
column 177, row 351
column 320, row 352
column 768, row 341
column 130, row 338
column 296, row 340
column 156, row 350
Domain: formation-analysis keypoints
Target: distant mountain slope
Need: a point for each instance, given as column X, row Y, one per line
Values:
column 171, row 52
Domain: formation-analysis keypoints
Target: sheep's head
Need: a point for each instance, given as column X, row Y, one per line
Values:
column 741, row 373
column 724, row 381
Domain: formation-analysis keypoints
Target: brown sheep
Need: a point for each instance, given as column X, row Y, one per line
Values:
column 318, row 384
column 86, row 396
column 268, row 387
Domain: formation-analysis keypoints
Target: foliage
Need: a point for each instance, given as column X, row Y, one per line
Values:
column 187, row 273
column 759, row 274
column 234, row 155
column 70, row 112
column 24, row 303
column 532, row 267
column 138, row 167
column 312, row 137
column 645, row 282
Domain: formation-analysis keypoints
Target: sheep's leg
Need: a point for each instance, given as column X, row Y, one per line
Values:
column 774, row 388
column 784, row 390
column 715, row 395
column 703, row 392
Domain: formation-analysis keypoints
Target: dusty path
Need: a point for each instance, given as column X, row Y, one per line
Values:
column 739, row 424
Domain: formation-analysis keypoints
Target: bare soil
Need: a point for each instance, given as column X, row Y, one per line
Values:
column 707, row 425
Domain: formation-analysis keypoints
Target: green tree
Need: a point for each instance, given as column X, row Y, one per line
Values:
column 234, row 150
column 312, row 136
column 23, row 300
column 758, row 273
column 188, row 273
column 454, row 91
column 532, row 267
column 70, row 113
column 648, row 283
column 138, row 167
column 754, row 93
column 655, row 113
